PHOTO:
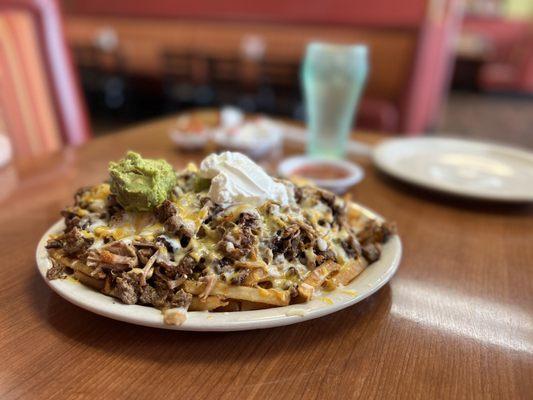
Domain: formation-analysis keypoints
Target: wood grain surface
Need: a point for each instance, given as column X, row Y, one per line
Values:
column 454, row 323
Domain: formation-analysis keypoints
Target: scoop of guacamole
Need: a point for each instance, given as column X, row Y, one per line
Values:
column 141, row 184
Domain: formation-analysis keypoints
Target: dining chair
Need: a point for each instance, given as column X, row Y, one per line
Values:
column 41, row 109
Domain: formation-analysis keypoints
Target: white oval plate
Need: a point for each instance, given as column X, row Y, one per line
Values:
column 367, row 283
column 460, row 167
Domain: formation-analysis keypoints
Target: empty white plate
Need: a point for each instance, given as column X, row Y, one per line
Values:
column 368, row 282
column 460, row 167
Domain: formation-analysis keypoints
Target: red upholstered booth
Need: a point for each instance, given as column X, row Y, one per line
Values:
column 508, row 59
column 410, row 40
column 40, row 104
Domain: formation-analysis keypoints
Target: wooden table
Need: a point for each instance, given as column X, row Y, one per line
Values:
column 454, row 323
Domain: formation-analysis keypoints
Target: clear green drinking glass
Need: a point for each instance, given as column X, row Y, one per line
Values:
column 333, row 78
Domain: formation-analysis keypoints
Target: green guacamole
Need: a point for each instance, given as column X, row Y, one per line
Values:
column 141, row 184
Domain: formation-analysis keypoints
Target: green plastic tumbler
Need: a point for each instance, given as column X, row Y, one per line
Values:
column 333, row 78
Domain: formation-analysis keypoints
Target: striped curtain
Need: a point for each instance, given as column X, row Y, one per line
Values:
column 27, row 114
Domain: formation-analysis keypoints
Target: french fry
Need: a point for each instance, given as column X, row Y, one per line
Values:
column 210, row 303
column 305, row 293
column 259, row 264
column 274, row 297
column 255, row 276
column 329, row 284
column 97, row 284
column 233, row 305
column 256, row 283
column 315, row 279
column 319, row 275
column 249, row 306
column 71, row 263
column 356, row 218
column 194, row 287
column 348, row 272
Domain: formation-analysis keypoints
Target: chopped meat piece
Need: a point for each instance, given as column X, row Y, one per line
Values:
column 153, row 296
column 292, row 241
column 351, row 246
column 159, row 280
column 164, row 282
column 53, row 244
column 113, row 261
column 166, row 210
column 308, row 234
column 144, row 254
column 183, row 268
column 117, row 256
column 167, row 214
column 180, row 299
column 218, row 266
column 75, row 242
column 236, row 247
column 148, row 295
column 72, row 220
column 143, row 243
column 371, row 252
column 186, row 266
column 376, row 232
column 249, row 221
column 239, row 236
column 145, row 250
column 238, row 243
column 337, row 205
column 225, row 261
column 282, row 240
column 125, row 290
column 175, row 225
column 322, row 257
column 80, row 193
column 163, row 258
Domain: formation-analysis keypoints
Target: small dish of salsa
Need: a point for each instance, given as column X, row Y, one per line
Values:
column 334, row 175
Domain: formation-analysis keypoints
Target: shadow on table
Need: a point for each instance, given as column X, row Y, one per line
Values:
column 474, row 205
column 127, row 341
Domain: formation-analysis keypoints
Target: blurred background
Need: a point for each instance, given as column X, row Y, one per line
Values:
column 445, row 66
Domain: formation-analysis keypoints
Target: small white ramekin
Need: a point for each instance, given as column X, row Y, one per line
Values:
column 355, row 173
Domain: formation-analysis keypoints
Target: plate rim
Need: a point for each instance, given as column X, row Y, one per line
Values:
column 381, row 163
column 110, row 307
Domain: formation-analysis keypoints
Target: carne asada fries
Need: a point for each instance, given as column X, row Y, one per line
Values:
column 222, row 237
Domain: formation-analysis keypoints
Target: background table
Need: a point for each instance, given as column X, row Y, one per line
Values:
column 455, row 322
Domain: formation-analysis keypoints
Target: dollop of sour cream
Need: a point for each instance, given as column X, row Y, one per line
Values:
column 237, row 179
